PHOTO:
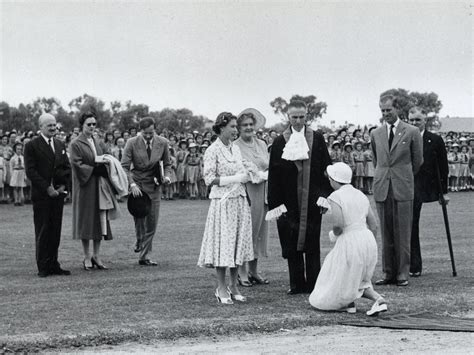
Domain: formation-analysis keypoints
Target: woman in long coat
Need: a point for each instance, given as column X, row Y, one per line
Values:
column 256, row 158
column 86, row 171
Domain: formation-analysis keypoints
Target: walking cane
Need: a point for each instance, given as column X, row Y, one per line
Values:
column 442, row 201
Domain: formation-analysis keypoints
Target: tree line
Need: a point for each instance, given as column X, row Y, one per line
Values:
column 125, row 115
column 117, row 115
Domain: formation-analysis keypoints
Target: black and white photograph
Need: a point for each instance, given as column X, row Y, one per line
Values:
column 236, row 177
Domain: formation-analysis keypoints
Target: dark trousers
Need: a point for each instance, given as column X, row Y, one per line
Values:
column 415, row 250
column 48, row 216
column 395, row 227
column 304, row 269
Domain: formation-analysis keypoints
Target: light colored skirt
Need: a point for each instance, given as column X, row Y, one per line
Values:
column 258, row 210
column 192, row 173
column 18, row 178
column 369, row 169
column 347, row 270
column 227, row 239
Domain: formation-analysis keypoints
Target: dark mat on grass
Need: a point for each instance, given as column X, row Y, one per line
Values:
column 421, row 321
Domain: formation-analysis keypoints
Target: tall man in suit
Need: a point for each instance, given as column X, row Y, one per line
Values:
column 296, row 179
column 47, row 166
column 398, row 155
column 141, row 160
column 426, row 181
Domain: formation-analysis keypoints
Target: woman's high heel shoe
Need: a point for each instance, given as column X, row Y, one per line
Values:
column 238, row 298
column 99, row 266
column 223, row 300
column 243, row 283
column 258, row 280
column 87, row 267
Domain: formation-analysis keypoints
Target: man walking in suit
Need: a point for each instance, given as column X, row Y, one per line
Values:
column 141, row 159
column 398, row 154
column 296, row 179
column 47, row 166
column 426, row 181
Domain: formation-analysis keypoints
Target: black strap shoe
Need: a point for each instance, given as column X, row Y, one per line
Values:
column 147, row 262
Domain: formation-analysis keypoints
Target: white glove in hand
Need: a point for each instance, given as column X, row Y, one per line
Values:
column 332, row 236
column 234, row 179
column 263, row 175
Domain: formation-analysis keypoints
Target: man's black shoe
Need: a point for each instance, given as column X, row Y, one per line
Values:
column 43, row 274
column 60, row 271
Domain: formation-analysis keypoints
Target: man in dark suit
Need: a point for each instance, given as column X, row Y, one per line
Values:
column 296, row 179
column 142, row 159
column 426, row 181
column 47, row 166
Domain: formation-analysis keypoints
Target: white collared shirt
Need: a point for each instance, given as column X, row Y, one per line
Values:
column 395, row 124
column 47, row 141
column 151, row 142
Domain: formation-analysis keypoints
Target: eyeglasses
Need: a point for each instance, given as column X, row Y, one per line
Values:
column 297, row 117
column 415, row 119
column 91, row 124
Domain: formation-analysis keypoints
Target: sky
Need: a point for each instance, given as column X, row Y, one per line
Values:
column 226, row 56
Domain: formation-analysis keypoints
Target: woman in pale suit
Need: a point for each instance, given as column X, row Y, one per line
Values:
column 86, row 171
column 256, row 159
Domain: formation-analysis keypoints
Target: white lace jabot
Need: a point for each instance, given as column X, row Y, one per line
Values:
column 296, row 148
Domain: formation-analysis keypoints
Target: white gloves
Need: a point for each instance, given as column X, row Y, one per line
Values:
column 263, row 175
column 234, row 179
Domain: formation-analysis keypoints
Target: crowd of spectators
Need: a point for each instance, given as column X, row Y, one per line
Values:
column 348, row 145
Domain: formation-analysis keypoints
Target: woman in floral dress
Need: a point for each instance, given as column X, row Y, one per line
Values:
column 227, row 241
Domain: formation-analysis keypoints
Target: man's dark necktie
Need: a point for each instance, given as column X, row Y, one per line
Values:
column 148, row 149
column 390, row 137
column 50, row 146
column 120, row 154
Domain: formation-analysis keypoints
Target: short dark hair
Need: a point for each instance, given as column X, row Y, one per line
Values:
column 222, row 120
column 297, row 104
column 390, row 97
column 85, row 116
column 146, row 122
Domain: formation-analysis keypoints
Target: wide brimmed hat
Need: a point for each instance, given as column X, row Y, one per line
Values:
column 259, row 118
column 140, row 206
column 340, row 172
column 348, row 145
column 455, row 145
column 192, row 145
column 336, row 142
column 205, row 145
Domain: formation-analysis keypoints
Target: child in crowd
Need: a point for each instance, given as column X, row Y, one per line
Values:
column 464, row 168
column 202, row 187
column 348, row 268
column 3, row 176
column 454, row 167
column 369, row 168
column 170, row 190
column 181, row 168
column 335, row 152
column 18, row 175
column 346, row 156
column 359, row 170
column 193, row 162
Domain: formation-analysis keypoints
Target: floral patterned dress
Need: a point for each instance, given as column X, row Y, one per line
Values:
column 227, row 239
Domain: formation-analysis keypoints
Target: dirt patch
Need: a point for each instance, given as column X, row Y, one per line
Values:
column 326, row 339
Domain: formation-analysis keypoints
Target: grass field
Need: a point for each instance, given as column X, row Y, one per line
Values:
column 175, row 299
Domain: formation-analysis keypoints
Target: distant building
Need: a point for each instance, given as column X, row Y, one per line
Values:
column 457, row 124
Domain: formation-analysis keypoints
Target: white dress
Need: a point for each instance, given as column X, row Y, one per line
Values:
column 348, row 268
